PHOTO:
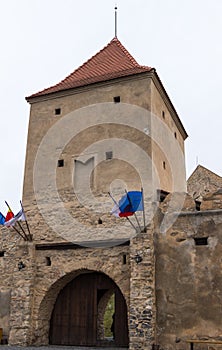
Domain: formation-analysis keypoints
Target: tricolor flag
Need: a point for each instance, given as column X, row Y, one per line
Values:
column 131, row 202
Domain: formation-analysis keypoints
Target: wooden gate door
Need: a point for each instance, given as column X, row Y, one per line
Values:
column 74, row 318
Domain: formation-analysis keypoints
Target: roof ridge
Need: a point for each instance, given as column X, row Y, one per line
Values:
column 199, row 167
column 125, row 51
column 132, row 59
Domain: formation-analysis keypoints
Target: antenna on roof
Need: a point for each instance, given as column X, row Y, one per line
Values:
column 115, row 21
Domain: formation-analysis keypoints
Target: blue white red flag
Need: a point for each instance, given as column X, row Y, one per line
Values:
column 131, row 202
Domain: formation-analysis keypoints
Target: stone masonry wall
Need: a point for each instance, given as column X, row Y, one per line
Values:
column 18, row 286
column 142, row 293
column 189, row 279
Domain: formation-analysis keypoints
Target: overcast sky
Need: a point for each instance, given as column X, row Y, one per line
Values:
column 42, row 41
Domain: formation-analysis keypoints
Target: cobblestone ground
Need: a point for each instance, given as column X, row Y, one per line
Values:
column 54, row 347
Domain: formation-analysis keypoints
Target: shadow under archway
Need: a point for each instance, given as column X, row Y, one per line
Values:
column 77, row 312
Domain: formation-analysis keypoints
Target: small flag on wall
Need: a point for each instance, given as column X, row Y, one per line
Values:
column 132, row 201
column 128, row 205
column 13, row 221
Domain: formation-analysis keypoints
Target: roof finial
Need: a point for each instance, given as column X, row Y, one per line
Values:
column 116, row 21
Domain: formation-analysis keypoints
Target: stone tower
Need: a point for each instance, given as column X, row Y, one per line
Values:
column 107, row 127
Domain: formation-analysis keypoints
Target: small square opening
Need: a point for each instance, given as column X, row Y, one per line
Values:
column 2, row 253
column 57, row 111
column 60, row 163
column 116, row 99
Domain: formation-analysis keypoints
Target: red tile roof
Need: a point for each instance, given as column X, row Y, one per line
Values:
column 113, row 61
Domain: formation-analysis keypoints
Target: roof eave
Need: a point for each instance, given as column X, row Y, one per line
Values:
column 51, row 95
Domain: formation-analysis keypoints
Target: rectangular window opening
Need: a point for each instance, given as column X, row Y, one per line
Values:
column 57, row 111
column 198, row 204
column 124, row 259
column 109, row 155
column 116, row 99
column 164, row 165
column 201, row 240
column 48, row 261
column 2, row 253
column 60, row 163
column 163, row 114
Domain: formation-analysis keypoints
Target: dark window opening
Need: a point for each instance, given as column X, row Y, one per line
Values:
column 116, row 99
column 164, row 165
column 109, row 155
column 57, row 111
column 124, row 259
column 161, row 195
column 60, row 163
column 201, row 241
column 2, row 253
column 100, row 221
column 198, row 204
column 175, row 135
column 48, row 261
column 163, row 114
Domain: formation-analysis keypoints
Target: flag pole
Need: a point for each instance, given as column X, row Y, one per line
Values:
column 27, row 225
column 18, row 232
column 27, row 239
column 144, row 220
column 134, row 212
column 25, row 235
column 115, row 202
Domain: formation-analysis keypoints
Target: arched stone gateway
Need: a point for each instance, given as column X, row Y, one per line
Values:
column 78, row 314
